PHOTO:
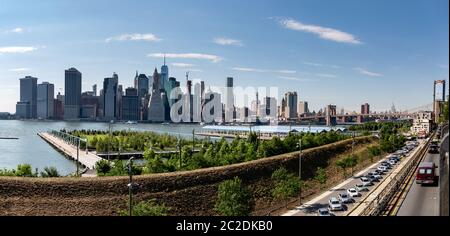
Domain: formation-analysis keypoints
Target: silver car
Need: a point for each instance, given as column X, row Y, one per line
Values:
column 334, row 204
column 324, row 212
column 366, row 182
column 345, row 198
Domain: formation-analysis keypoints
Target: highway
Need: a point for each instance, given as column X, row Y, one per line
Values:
column 311, row 207
column 422, row 200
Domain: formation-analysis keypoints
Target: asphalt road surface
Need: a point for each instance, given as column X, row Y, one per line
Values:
column 311, row 207
column 422, row 200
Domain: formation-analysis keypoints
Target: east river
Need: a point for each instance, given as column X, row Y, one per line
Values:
column 29, row 148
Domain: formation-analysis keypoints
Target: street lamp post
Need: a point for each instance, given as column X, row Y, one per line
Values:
column 78, row 157
column 130, row 186
column 300, row 169
column 109, row 139
column 179, row 149
column 193, row 140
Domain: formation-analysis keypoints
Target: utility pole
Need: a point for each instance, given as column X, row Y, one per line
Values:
column 109, row 139
column 179, row 149
column 78, row 154
column 193, row 140
column 353, row 143
column 130, row 185
column 300, row 169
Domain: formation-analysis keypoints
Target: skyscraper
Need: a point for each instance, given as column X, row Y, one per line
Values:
column 303, row 108
column 94, row 89
column 27, row 106
column 229, row 105
column 291, row 105
column 130, row 105
column 45, row 100
column 164, row 76
column 156, row 112
column 110, row 97
column 365, row 109
column 72, row 88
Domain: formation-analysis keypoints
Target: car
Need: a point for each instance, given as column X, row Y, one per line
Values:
column 434, row 149
column 386, row 164
column 361, row 188
column 382, row 168
column 324, row 212
column 335, row 205
column 375, row 175
column 366, row 182
column 345, row 198
column 392, row 162
column 353, row 192
column 379, row 172
column 372, row 178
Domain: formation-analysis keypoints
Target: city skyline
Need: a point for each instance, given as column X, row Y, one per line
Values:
column 297, row 51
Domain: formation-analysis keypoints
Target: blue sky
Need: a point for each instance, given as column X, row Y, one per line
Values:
column 343, row 52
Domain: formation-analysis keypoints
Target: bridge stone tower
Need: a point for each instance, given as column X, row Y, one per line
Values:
column 438, row 103
column 331, row 115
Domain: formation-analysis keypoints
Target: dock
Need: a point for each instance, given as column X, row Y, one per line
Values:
column 87, row 159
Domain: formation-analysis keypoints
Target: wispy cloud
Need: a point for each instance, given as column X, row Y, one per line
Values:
column 17, row 30
column 323, row 32
column 366, row 72
column 320, row 65
column 249, row 69
column 228, row 41
column 17, row 49
column 182, row 65
column 294, row 78
column 200, row 56
column 443, row 66
column 326, row 75
column 134, row 37
column 20, row 69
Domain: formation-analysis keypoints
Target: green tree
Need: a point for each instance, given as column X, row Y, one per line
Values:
column 234, row 199
column 343, row 165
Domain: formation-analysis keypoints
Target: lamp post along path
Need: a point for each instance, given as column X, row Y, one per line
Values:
column 130, row 185
column 300, row 169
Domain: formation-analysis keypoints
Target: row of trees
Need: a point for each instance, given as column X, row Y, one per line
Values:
column 239, row 150
column 376, row 126
column 25, row 170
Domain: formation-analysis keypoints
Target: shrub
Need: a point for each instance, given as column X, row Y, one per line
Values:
column 50, row 172
column 24, row 170
column 103, row 167
column 321, row 176
column 286, row 184
column 146, row 208
column 234, row 199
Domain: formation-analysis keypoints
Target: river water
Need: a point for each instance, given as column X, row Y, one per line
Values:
column 29, row 148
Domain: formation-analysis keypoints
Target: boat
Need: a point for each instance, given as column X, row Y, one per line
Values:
column 131, row 122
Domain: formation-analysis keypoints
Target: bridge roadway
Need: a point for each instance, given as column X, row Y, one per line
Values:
column 311, row 207
column 86, row 159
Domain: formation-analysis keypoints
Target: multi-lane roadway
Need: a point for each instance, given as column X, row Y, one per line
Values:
column 311, row 207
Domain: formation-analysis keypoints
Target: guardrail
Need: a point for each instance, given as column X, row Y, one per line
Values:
column 381, row 201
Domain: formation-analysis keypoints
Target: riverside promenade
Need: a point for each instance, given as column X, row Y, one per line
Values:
column 88, row 159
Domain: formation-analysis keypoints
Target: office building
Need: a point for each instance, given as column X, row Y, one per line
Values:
column 110, row 97
column 291, row 105
column 156, row 112
column 45, row 100
column 303, row 108
column 72, row 88
column 26, row 108
column 365, row 109
column 130, row 105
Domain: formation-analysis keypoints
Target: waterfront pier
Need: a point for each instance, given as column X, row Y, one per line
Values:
column 87, row 159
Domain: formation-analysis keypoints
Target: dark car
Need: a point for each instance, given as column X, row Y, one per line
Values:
column 433, row 149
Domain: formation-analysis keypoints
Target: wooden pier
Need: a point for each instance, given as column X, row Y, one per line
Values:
column 87, row 159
